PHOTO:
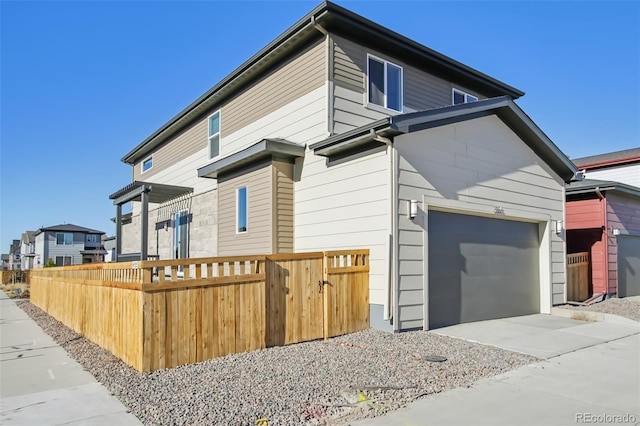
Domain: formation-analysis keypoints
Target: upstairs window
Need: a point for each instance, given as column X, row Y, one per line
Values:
column 241, row 210
column 92, row 238
column 64, row 238
column 147, row 164
column 460, row 97
column 63, row 260
column 214, row 135
column 384, row 83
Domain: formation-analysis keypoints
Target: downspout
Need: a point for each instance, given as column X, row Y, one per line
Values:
column 328, row 72
column 605, row 224
column 393, row 252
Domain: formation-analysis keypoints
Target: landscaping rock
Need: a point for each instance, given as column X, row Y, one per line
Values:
column 360, row 375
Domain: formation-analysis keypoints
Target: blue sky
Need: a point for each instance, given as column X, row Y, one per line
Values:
column 82, row 83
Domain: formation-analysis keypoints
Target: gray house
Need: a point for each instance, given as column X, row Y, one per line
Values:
column 341, row 133
column 68, row 244
column 28, row 256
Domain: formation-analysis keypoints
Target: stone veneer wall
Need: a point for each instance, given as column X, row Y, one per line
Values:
column 202, row 230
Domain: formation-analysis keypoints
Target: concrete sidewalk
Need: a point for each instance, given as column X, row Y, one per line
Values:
column 42, row 385
column 591, row 375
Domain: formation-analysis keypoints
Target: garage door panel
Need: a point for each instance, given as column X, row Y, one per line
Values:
column 481, row 268
column 628, row 266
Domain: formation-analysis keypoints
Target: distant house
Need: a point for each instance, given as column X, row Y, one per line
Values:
column 603, row 219
column 109, row 244
column 619, row 166
column 341, row 133
column 14, row 255
column 28, row 257
column 5, row 261
column 68, row 245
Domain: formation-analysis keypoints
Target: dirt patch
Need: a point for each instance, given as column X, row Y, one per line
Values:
column 16, row 291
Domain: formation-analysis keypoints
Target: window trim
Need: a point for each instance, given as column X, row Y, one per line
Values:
column 209, row 135
column 64, row 256
column 246, row 206
column 463, row 93
column 142, row 169
column 384, row 108
column 64, row 243
column 176, row 232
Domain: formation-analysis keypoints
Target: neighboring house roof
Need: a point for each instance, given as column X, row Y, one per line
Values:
column 330, row 17
column 28, row 237
column 503, row 107
column 68, row 227
column 95, row 251
column 126, row 218
column 5, row 257
column 588, row 186
column 608, row 159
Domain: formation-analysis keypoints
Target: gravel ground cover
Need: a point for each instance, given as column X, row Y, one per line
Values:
column 623, row 307
column 360, row 375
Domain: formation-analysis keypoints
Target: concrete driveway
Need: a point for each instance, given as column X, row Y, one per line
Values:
column 540, row 335
column 590, row 374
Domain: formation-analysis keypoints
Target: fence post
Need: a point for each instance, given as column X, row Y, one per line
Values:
column 325, row 295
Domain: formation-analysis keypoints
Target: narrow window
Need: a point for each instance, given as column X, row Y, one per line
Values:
column 384, row 83
column 147, row 164
column 241, row 210
column 181, row 235
column 460, row 97
column 214, row 135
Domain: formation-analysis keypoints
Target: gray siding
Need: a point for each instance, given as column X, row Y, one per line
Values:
column 282, row 207
column 421, row 90
column 65, row 250
column 472, row 166
column 623, row 213
column 258, row 238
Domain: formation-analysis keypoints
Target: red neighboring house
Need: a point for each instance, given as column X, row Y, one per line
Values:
column 603, row 218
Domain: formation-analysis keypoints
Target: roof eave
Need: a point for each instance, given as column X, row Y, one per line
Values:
column 304, row 22
column 323, row 14
column 262, row 150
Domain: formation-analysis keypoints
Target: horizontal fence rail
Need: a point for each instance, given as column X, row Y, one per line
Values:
column 163, row 313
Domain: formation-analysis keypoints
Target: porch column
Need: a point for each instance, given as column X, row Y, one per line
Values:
column 144, row 221
column 118, row 231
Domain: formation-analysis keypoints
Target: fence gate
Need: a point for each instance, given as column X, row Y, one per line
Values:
column 294, row 298
column 346, row 292
column 578, row 277
column 312, row 296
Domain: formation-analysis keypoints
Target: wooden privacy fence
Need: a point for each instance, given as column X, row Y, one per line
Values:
column 578, row 276
column 165, row 313
column 15, row 276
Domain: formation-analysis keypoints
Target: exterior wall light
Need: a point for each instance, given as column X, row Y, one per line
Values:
column 558, row 226
column 413, row 209
column 615, row 231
